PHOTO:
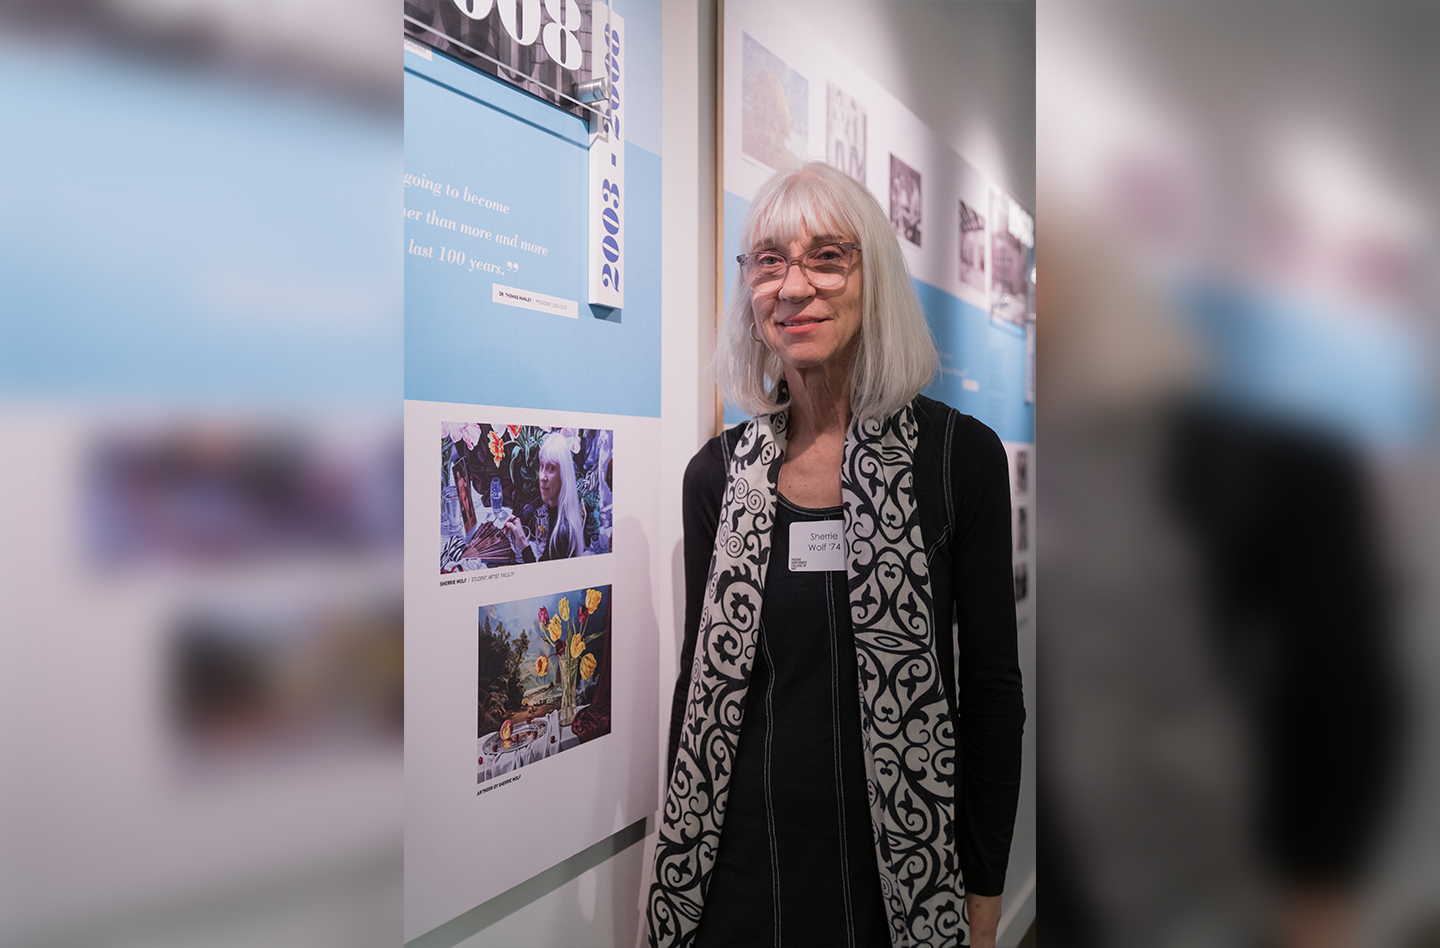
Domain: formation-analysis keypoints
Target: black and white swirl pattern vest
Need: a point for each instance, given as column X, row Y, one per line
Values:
column 907, row 731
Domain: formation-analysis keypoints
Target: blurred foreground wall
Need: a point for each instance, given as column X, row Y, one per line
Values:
column 1238, row 664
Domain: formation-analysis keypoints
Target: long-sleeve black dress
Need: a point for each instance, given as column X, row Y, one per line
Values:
column 796, row 863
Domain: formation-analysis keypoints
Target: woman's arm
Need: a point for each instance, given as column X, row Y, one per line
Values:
column 983, row 913
column 703, row 488
column 990, row 698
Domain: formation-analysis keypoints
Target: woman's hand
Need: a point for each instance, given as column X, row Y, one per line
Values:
column 984, row 914
column 516, row 530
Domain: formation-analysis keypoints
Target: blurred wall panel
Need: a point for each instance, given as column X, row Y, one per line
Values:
column 199, row 389
column 1236, row 351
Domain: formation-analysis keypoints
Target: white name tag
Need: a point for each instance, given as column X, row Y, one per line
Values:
column 817, row 547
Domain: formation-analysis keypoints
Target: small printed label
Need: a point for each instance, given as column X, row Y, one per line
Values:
column 509, row 296
column 418, row 49
column 817, row 547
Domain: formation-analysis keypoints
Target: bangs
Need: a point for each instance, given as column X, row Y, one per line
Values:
column 801, row 205
column 554, row 447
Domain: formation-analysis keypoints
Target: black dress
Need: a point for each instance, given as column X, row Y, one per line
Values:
column 796, row 856
column 796, row 864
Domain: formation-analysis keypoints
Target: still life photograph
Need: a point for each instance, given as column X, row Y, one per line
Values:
column 543, row 678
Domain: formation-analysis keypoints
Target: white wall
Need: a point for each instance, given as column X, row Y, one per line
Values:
column 965, row 68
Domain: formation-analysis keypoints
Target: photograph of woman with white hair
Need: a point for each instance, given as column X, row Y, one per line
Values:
column 523, row 493
column 556, row 525
column 845, row 739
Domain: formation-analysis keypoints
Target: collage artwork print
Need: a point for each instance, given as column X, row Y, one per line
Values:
column 543, row 678
column 513, row 494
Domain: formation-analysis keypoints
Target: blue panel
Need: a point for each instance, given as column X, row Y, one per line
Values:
column 174, row 236
column 1357, row 375
column 735, row 210
column 643, row 71
column 962, row 334
column 630, row 360
column 988, row 353
column 477, row 135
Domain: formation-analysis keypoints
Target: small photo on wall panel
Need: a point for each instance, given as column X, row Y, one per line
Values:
column 542, row 678
column 1009, row 292
column 905, row 200
column 1022, row 581
column 775, row 121
column 844, row 132
column 972, row 247
column 1022, row 529
column 512, row 494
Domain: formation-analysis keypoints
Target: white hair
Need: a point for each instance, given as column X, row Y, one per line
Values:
column 895, row 358
column 567, row 534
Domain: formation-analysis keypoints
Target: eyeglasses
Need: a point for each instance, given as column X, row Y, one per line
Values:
column 826, row 266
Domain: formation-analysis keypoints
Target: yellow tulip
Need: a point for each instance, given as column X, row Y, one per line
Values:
column 564, row 609
column 554, row 628
column 542, row 666
column 592, row 599
column 577, row 645
column 587, row 665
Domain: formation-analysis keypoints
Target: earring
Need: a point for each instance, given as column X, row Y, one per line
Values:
column 752, row 333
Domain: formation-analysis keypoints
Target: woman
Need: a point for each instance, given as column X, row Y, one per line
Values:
column 564, row 514
column 817, row 794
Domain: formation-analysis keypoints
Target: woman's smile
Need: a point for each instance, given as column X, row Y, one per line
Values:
column 800, row 324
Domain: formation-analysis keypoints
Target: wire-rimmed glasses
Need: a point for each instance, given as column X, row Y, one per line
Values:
column 826, row 266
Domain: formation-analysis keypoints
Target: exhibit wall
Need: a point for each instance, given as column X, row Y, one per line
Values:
column 594, row 895
column 532, row 402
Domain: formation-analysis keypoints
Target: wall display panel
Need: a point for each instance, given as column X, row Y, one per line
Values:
column 531, row 458
column 473, row 791
column 1021, row 457
column 790, row 96
column 496, row 278
column 199, row 367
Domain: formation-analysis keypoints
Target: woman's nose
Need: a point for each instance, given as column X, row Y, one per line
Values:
column 796, row 285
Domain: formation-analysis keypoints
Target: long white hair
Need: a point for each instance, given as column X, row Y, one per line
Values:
column 567, row 533
column 895, row 358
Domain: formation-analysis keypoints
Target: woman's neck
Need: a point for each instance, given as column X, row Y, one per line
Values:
column 819, row 401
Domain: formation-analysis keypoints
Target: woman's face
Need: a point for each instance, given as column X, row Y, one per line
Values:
column 549, row 482
column 804, row 326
